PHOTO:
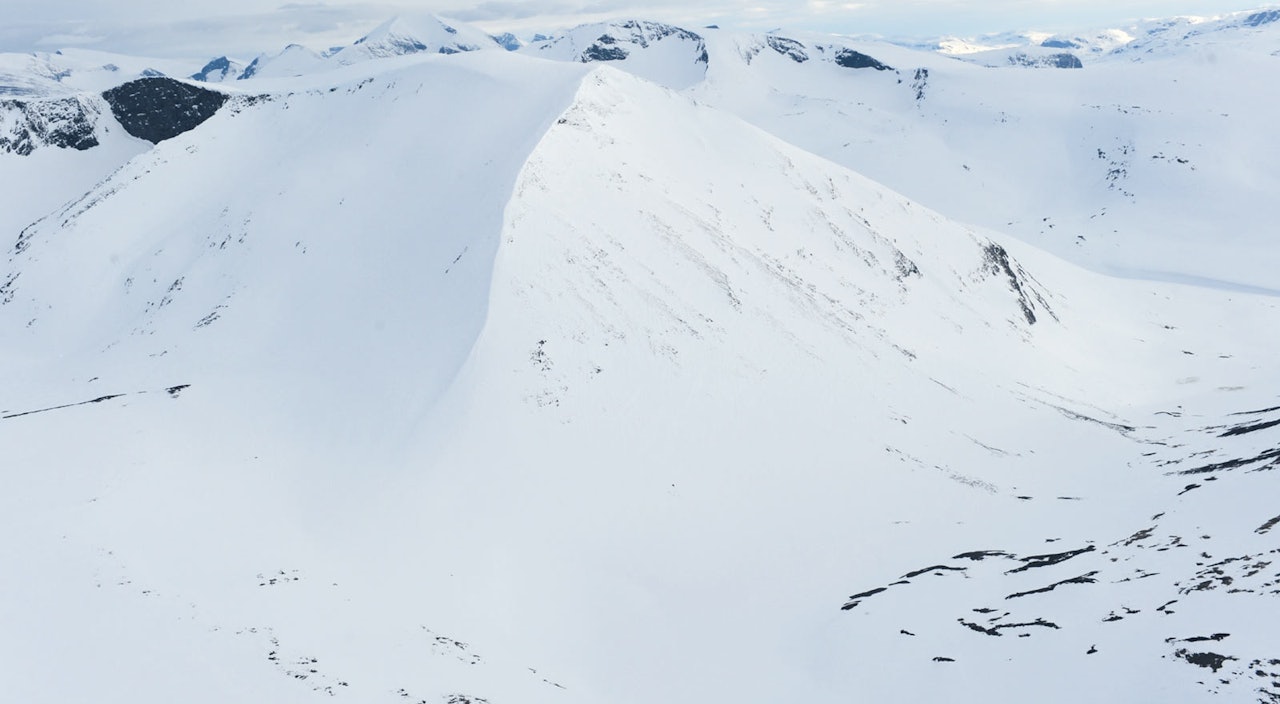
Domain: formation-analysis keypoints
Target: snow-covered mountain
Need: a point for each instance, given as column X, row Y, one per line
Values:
column 395, row 37
column 219, row 69
column 619, row 380
column 668, row 55
column 1131, row 42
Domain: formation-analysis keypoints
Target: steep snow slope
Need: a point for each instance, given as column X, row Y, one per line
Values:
column 316, row 301
column 1154, row 169
column 575, row 391
column 1129, row 167
column 54, row 150
column 730, row 427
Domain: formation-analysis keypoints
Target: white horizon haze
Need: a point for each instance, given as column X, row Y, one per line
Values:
column 245, row 28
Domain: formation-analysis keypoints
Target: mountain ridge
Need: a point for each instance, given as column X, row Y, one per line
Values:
column 591, row 389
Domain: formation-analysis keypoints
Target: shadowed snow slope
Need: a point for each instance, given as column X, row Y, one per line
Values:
column 488, row 379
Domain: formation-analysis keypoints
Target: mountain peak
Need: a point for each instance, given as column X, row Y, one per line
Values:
column 399, row 36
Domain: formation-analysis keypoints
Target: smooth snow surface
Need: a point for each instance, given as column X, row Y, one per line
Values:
column 745, row 376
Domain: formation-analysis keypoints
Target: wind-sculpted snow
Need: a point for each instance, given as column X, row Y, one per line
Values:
column 477, row 378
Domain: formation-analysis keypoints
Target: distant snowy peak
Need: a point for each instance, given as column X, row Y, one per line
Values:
column 1099, row 42
column 1027, row 57
column 508, row 41
column 398, row 37
column 294, row 60
column 1251, row 29
column 1243, row 30
column 395, row 37
column 662, row 53
column 73, row 71
column 219, row 70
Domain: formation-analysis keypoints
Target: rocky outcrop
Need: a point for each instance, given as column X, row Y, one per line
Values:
column 1063, row 60
column 848, row 58
column 789, row 48
column 156, row 109
column 611, row 45
column 68, row 123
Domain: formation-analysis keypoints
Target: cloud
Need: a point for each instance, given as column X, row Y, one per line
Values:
column 60, row 40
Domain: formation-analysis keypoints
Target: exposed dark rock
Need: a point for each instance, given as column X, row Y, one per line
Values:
column 998, row 262
column 1212, row 661
column 1267, row 460
column 69, row 123
column 1082, row 579
column 216, row 69
column 1265, row 527
column 99, row 399
column 508, row 41
column 641, row 34
column 1056, row 43
column 857, row 598
column 156, row 109
column 978, row 627
column 1136, row 537
column 1258, row 19
column 596, row 52
column 1201, row 639
column 1245, row 429
column 920, row 82
column 789, row 48
column 933, row 568
column 1063, row 60
column 979, row 555
column 251, row 70
column 1047, row 560
column 1257, row 412
column 849, row 58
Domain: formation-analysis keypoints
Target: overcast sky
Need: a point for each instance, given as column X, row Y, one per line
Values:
column 244, row 28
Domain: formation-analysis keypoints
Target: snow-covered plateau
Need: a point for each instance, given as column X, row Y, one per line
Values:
column 644, row 363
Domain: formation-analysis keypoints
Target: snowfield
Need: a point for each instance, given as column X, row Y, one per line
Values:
column 645, row 364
